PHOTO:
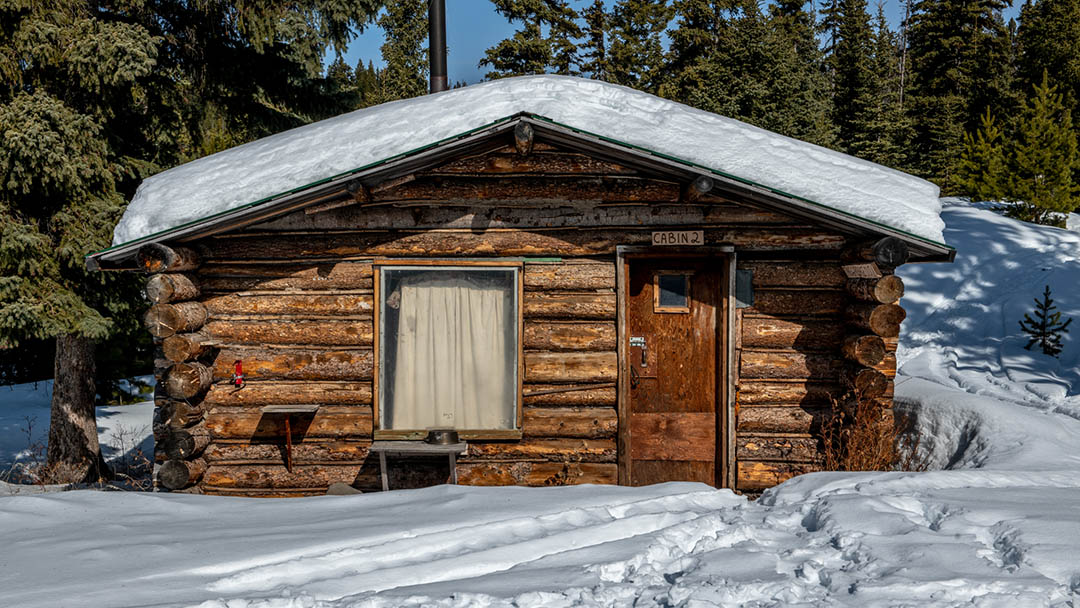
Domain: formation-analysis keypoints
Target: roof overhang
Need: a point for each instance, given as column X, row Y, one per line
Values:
column 119, row 257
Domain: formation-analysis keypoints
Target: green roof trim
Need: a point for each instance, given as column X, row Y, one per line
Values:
column 538, row 117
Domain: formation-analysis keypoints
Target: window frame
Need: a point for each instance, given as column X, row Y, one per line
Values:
column 417, row 434
column 687, row 277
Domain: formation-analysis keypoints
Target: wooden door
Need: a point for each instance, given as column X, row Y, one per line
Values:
column 673, row 313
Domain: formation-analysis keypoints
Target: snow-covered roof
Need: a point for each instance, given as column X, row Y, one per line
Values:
column 292, row 159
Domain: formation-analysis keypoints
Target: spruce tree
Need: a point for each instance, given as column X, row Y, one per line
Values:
column 94, row 99
column 1043, row 159
column 981, row 172
column 855, row 86
column 799, row 77
column 405, row 26
column 636, row 55
column 594, row 57
column 1049, row 40
column 1046, row 329
column 529, row 51
column 885, row 131
column 958, row 51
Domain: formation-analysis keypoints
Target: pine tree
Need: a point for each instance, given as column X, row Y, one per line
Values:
column 886, row 130
column 636, row 55
column 798, row 77
column 958, row 52
column 94, row 98
column 1046, row 329
column 981, row 172
column 1049, row 40
column 404, row 51
column 528, row 51
column 1043, row 159
column 594, row 56
column 855, row 85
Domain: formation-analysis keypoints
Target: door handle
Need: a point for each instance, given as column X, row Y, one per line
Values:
column 644, row 355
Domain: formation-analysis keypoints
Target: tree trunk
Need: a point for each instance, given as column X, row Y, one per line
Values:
column 74, row 455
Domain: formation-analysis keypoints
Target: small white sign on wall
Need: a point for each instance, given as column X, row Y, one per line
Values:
column 678, row 237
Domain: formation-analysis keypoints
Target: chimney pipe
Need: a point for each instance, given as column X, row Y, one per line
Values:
column 437, row 44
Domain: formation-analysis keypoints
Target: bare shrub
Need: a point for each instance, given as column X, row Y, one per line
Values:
column 864, row 435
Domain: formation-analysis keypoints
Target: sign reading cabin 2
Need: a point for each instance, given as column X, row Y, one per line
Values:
column 578, row 309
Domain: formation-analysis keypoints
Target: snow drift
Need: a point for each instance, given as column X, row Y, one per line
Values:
column 286, row 161
column 998, row 525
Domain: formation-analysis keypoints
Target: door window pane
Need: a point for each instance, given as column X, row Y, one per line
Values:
column 448, row 347
column 672, row 292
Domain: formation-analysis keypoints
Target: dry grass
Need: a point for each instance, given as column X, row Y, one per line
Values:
column 864, row 435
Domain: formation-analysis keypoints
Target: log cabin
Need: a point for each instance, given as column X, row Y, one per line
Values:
column 589, row 284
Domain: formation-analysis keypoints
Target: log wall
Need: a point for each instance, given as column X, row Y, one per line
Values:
column 292, row 298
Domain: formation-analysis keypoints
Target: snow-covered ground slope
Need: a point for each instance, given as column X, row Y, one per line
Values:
column 299, row 157
column 24, row 425
column 999, row 526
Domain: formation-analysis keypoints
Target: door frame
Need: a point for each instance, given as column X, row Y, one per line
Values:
column 725, row 406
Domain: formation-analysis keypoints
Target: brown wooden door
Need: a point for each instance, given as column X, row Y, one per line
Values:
column 673, row 312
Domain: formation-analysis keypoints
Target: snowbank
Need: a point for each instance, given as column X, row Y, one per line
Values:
column 998, row 526
column 301, row 156
column 24, row 426
column 978, row 394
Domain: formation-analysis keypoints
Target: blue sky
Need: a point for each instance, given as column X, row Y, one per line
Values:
column 472, row 26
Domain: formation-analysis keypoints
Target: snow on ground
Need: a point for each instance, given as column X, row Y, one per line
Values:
column 999, row 525
column 286, row 161
column 24, row 427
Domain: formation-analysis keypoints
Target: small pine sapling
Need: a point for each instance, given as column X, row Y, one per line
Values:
column 1046, row 329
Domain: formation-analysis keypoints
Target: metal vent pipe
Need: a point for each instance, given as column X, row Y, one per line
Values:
column 437, row 44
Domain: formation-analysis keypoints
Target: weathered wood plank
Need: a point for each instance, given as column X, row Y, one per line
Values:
column 295, row 364
column 584, row 422
column 259, row 393
column 499, row 215
column 569, row 277
column 798, row 302
column 217, row 276
column 546, row 305
column 554, row 450
column 289, row 304
column 789, row 364
column 570, row 367
column 569, row 336
column 781, row 419
column 565, row 243
column 770, row 332
column 273, row 452
column 336, row 422
column 604, row 396
column 764, row 392
column 792, row 273
column 673, row 436
column 547, row 163
column 537, row 473
column 778, row 448
column 540, row 188
column 322, row 332
column 270, row 476
column 753, row 475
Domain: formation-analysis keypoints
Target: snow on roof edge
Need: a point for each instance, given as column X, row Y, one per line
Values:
column 267, row 168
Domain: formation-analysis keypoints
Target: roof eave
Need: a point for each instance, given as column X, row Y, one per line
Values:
column 114, row 258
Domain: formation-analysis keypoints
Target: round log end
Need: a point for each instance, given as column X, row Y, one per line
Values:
column 178, row 474
column 890, row 251
column 187, row 380
column 885, row 320
column 867, row 383
column 889, row 289
column 163, row 320
column 865, row 350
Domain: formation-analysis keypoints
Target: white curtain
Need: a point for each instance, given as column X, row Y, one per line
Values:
column 452, row 368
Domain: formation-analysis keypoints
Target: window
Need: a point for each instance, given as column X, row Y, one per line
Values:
column 448, row 350
column 671, row 291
